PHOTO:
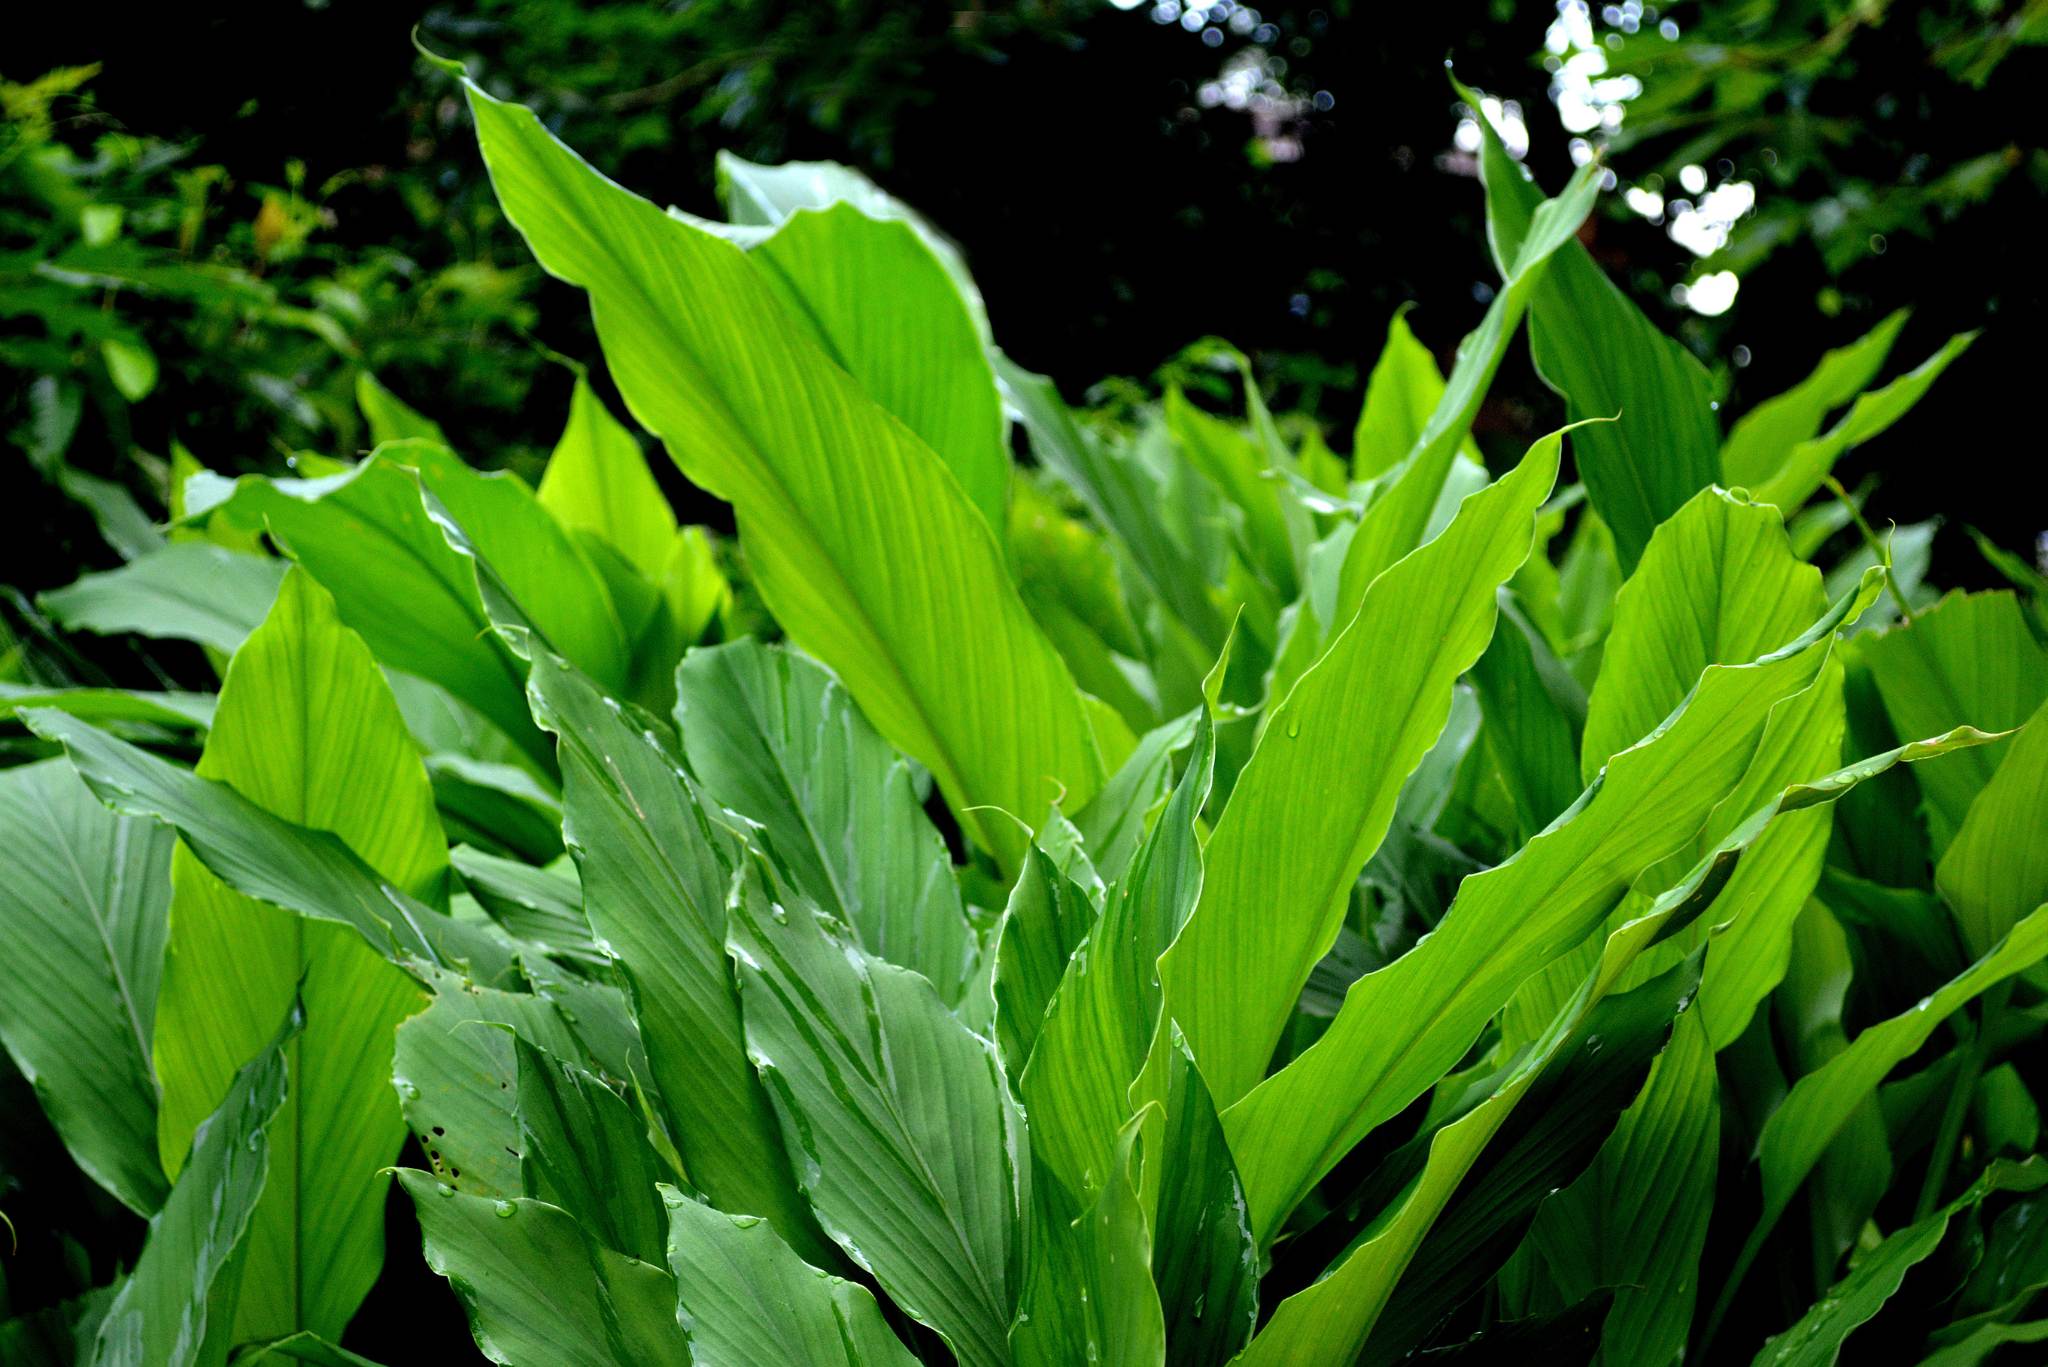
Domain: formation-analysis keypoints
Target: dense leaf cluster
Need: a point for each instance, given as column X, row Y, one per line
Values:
column 1186, row 897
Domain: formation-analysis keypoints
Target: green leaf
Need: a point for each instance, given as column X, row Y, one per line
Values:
column 1047, row 918
column 597, row 480
column 773, row 737
column 1400, row 397
column 161, row 1315
column 188, row 591
column 542, row 906
column 306, row 1348
column 906, row 1140
column 306, row 729
column 263, row 856
column 1637, row 1220
column 537, row 1289
column 1567, row 1116
column 1099, row 1024
column 582, row 1148
column 1763, row 438
column 1534, row 713
column 1114, row 823
column 1403, row 1027
column 1821, row 1103
column 863, row 544
column 1816, row 1340
column 1315, row 800
column 1331, row 1321
column 1717, row 584
column 1239, row 468
column 1997, row 866
column 1205, row 1259
column 1399, row 519
column 390, row 417
column 757, row 195
column 520, row 551
column 1125, row 496
column 131, row 366
column 83, row 897
column 1594, row 347
column 655, row 875
column 1971, row 659
column 1811, row 461
column 179, row 711
column 456, row 1072
column 745, row 1298
column 367, row 537
column 1088, row 1292
column 879, row 302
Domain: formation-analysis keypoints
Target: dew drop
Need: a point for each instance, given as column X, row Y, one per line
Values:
column 504, row 1210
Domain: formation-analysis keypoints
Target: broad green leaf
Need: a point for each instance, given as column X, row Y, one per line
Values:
column 1114, row 823
column 1594, row 347
column 1403, row 1027
column 1400, row 397
column 367, row 537
column 1821, row 1103
column 179, row 711
column 456, row 1072
column 597, row 480
column 1761, row 439
column 879, row 302
column 1566, row 1117
column 1717, row 584
column 83, row 898
column 861, row 542
column 1997, row 866
column 1971, row 659
column 1099, row 1024
column 161, row 1315
column 306, row 729
column 582, row 1148
column 1071, row 579
column 744, row 1298
column 188, row 591
column 504, row 805
column 763, row 196
column 773, row 737
column 1811, row 461
column 1399, row 519
column 537, row 1289
column 1124, row 496
column 263, row 856
column 1637, row 1220
column 1534, row 712
column 542, row 906
column 900, row 1122
column 1088, row 1292
column 1332, row 1321
column 1984, row 1340
column 1315, row 800
column 1238, row 467
column 1816, row 1340
column 655, row 875
column 1047, row 918
column 519, row 550
column 1205, row 1259
column 307, row 1348
column 391, row 418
